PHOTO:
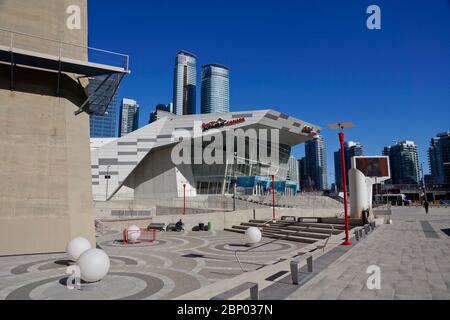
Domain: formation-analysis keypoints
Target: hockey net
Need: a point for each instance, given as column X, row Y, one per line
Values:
column 135, row 236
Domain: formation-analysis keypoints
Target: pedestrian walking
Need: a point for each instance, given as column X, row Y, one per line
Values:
column 426, row 205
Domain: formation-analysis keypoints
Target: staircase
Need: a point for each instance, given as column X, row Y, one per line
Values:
column 305, row 232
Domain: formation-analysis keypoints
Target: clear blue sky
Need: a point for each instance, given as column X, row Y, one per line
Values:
column 314, row 60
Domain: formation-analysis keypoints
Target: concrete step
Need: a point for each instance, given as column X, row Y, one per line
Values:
column 258, row 223
column 322, row 231
column 315, row 230
column 299, row 232
column 275, row 235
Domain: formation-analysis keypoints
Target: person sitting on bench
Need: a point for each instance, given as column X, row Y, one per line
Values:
column 179, row 225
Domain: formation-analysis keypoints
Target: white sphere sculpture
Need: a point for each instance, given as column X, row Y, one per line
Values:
column 76, row 247
column 94, row 265
column 133, row 233
column 253, row 235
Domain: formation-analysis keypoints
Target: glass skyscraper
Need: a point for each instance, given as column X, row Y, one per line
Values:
column 185, row 83
column 439, row 157
column 351, row 149
column 215, row 89
column 404, row 162
column 105, row 126
column 129, row 117
column 160, row 107
column 316, row 164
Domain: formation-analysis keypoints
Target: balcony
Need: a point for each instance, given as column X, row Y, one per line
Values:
column 102, row 71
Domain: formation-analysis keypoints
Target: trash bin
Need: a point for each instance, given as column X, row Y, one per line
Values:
column 210, row 225
column 201, row 226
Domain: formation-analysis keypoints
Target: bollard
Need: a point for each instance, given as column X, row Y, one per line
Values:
column 294, row 266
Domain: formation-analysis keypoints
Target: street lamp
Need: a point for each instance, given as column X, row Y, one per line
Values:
column 107, row 177
column 184, row 199
column 423, row 186
column 273, row 197
column 233, row 181
column 341, row 135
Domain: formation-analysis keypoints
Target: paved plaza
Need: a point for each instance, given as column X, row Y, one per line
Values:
column 413, row 255
column 177, row 263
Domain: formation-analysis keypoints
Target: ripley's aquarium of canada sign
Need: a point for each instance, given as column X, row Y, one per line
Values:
column 221, row 123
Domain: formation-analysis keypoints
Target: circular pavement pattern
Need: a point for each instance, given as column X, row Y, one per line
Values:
column 116, row 285
column 272, row 247
column 120, row 243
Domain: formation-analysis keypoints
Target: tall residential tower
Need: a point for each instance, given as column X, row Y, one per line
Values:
column 215, row 89
column 439, row 157
column 185, row 83
column 351, row 149
column 129, row 117
column 316, row 164
column 404, row 162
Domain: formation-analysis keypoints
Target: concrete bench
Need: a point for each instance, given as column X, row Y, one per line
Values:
column 172, row 227
column 254, row 293
column 359, row 234
column 296, row 261
column 288, row 218
column 157, row 226
column 366, row 228
column 309, row 219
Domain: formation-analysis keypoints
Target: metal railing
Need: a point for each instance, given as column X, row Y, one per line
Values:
column 61, row 49
column 275, row 240
column 99, row 226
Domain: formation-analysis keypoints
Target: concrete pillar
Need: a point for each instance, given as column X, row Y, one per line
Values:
column 358, row 193
column 45, row 175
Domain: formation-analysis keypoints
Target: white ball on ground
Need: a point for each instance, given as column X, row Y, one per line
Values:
column 253, row 235
column 133, row 233
column 94, row 265
column 76, row 247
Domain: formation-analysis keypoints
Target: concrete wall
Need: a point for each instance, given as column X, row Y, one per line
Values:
column 157, row 177
column 222, row 220
column 45, row 180
column 45, row 19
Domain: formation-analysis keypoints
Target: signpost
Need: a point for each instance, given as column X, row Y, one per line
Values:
column 107, row 177
column 341, row 135
column 273, row 197
column 184, row 201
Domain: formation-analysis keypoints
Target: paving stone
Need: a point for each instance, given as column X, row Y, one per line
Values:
column 412, row 266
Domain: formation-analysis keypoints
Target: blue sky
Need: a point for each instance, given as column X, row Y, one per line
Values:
column 314, row 60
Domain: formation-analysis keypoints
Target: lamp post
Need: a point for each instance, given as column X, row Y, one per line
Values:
column 423, row 186
column 184, row 200
column 107, row 177
column 273, row 197
column 341, row 135
column 234, row 181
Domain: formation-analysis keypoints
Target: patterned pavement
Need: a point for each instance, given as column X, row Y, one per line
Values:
column 413, row 255
column 175, row 264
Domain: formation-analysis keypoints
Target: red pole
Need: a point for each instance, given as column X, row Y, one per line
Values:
column 344, row 183
column 184, row 202
column 273, row 197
